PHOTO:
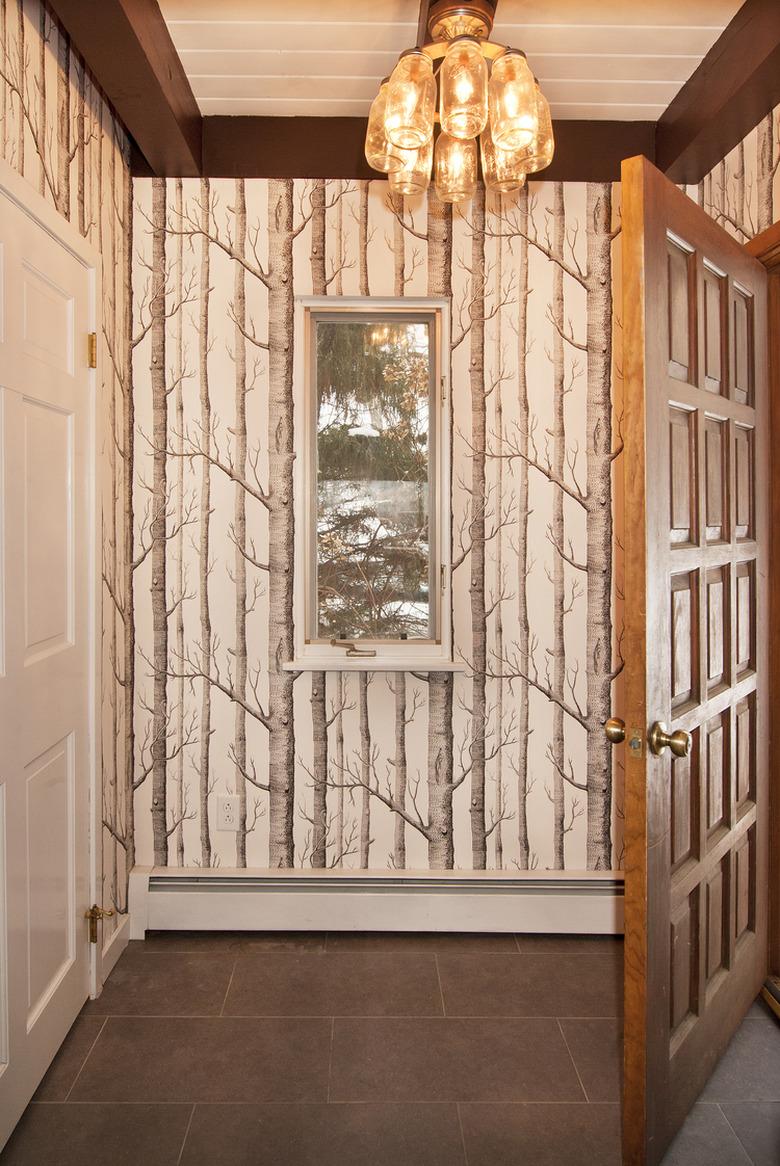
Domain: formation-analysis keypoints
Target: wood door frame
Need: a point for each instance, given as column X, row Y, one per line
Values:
column 766, row 249
column 19, row 191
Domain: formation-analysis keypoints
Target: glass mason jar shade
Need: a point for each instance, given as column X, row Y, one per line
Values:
column 411, row 101
column 463, row 89
column 540, row 152
column 513, row 114
column 381, row 154
column 415, row 176
column 455, row 165
column 502, row 170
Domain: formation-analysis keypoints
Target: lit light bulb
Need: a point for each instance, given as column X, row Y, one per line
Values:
column 502, row 170
column 415, row 176
column 463, row 89
column 514, row 119
column 381, row 154
column 411, row 101
column 540, row 152
column 455, row 166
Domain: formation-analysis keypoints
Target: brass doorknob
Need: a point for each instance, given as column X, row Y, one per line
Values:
column 659, row 737
column 615, row 731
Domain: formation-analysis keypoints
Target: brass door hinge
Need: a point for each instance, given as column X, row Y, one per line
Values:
column 92, row 349
column 94, row 914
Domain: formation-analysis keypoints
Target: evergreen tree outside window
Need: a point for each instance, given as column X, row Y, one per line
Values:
column 371, row 483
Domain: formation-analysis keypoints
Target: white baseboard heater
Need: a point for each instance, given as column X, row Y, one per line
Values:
column 549, row 901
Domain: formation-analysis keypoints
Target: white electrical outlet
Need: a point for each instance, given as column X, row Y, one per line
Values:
column 227, row 812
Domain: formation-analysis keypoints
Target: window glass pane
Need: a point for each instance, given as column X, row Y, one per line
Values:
column 373, row 482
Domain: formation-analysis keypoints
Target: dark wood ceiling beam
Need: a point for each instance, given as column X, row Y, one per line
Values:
column 422, row 22
column 736, row 84
column 129, row 51
column 332, row 147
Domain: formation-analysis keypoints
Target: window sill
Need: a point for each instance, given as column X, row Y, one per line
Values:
column 374, row 664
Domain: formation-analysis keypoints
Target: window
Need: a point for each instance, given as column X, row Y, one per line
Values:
column 371, row 489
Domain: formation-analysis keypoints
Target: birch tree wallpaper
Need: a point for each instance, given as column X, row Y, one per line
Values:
column 502, row 765
column 742, row 193
column 57, row 131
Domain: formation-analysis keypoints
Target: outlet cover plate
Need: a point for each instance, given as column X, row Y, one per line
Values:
column 227, row 812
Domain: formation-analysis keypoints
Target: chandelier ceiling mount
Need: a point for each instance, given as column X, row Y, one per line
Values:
column 447, row 20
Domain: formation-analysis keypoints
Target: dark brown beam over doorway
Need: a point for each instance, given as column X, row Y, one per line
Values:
column 332, row 147
column 736, row 84
column 129, row 51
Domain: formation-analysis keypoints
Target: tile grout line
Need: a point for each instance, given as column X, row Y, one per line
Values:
column 178, row 1103
column 581, row 1016
column 186, row 1135
column 83, row 1063
column 229, row 986
column 462, row 1134
column 734, row 1132
column 574, row 1063
column 330, row 1056
column 441, row 990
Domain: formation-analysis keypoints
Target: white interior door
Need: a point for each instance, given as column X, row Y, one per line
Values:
column 46, row 645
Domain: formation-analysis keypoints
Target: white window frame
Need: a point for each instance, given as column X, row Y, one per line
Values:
column 395, row 656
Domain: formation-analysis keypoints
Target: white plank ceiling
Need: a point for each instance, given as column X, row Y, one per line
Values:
column 607, row 59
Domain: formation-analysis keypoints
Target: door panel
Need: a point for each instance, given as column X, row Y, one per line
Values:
column 47, row 639
column 696, row 591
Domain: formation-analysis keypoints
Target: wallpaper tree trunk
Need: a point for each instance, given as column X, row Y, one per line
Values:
column 239, row 519
column 281, row 524
column 319, row 716
column 23, row 115
column 179, row 540
column 127, row 838
column 63, row 126
column 499, row 810
column 766, row 170
column 558, row 437
column 204, row 551
column 600, row 456
column 159, row 533
column 523, row 563
column 399, row 769
column 339, row 772
column 365, row 762
column 478, row 502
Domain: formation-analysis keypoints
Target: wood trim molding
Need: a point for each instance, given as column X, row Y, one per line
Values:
column 736, row 84
column 766, row 248
column 332, row 147
column 127, row 47
column 422, row 22
column 774, row 607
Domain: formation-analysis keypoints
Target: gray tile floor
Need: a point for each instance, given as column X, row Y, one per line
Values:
column 377, row 1050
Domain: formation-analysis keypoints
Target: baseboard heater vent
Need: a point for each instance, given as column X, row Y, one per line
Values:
column 589, row 904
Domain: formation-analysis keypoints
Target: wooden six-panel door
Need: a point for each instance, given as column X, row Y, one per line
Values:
column 696, row 426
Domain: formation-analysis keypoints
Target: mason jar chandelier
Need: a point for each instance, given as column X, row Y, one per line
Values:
column 487, row 103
